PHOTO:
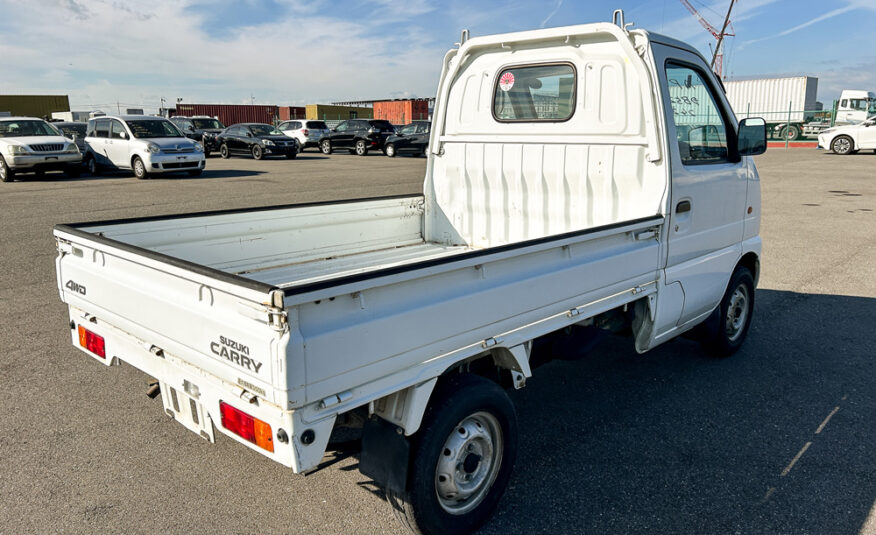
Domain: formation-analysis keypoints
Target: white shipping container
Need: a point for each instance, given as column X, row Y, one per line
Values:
column 771, row 98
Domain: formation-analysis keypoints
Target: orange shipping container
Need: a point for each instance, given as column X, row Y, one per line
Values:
column 402, row 111
column 291, row 112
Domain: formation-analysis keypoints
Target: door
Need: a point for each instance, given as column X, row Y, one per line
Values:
column 421, row 139
column 97, row 140
column 118, row 146
column 709, row 182
column 866, row 134
column 237, row 142
column 343, row 134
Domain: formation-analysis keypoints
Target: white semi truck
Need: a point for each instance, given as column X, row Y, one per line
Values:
column 559, row 196
column 789, row 106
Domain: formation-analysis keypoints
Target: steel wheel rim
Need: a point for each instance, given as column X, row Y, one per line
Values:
column 842, row 145
column 139, row 170
column 737, row 313
column 360, row 147
column 256, row 152
column 2, row 170
column 390, row 150
column 469, row 463
column 325, row 148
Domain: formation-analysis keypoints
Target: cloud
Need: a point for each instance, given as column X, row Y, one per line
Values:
column 101, row 51
column 851, row 6
column 552, row 13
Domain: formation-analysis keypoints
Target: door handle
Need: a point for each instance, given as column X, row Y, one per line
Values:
column 683, row 206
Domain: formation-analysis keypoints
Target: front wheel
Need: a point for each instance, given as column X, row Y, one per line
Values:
column 6, row 174
column 727, row 327
column 326, row 147
column 73, row 171
column 842, row 145
column 361, row 148
column 139, row 168
column 390, row 150
column 223, row 151
column 257, row 152
column 461, row 458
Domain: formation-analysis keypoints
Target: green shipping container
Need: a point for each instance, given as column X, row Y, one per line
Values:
column 33, row 105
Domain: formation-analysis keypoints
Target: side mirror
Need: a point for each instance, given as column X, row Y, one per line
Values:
column 249, row 134
column 752, row 137
column 123, row 135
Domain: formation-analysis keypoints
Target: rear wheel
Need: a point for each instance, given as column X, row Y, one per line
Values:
column 791, row 133
column 325, row 146
column 6, row 174
column 361, row 148
column 91, row 165
column 139, row 168
column 461, row 458
column 725, row 330
column 223, row 151
column 390, row 150
column 257, row 152
column 842, row 145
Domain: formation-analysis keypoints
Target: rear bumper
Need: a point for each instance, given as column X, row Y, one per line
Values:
column 192, row 396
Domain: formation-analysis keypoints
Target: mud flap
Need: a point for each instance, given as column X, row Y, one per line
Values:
column 386, row 454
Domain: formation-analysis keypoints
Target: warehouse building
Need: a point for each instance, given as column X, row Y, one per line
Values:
column 33, row 105
column 330, row 112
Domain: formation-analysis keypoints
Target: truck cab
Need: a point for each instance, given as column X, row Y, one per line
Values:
column 855, row 106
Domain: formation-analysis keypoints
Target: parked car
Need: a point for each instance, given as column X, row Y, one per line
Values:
column 31, row 145
column 201, row 128
column 357, row 135
column 412, row 138
column 146, row 145
column 74, row 131
column 256, row 139
column 409, row 317
column 307, row 133
column 850, row 138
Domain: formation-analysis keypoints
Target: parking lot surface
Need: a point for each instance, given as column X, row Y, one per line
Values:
column 779, row 438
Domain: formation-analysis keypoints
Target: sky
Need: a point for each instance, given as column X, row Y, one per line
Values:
column 296, row 52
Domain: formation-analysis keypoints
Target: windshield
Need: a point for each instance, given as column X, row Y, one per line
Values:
column 153, row 128
column 70, row 129
column 205, row 124
column 318, row 125
column 264, row 130
column 26, row 128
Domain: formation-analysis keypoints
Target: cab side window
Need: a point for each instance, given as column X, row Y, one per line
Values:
column 342, row 127
column 699, row 125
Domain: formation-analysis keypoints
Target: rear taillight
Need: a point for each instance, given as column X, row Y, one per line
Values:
column 92, row 342
column 247, row 427
column 305, row 132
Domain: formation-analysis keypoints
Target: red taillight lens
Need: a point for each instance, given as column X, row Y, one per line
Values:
column 305, row 132
column 247, row 427
column 92, row 342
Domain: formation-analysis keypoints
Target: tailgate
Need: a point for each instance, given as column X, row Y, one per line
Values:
column 226, row 325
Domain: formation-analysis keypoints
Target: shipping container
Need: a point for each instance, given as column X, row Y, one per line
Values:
column 34, row 105
column 330, row 112
column 292, row 112
column 230, row 114
column 772, row 98
column 402, row 111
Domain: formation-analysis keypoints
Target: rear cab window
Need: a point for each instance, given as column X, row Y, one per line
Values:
column 533, row 93
column 699, row 125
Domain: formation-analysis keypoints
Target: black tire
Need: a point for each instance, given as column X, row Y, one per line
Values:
column 791, row 133
column 725, row 330
column 257, row 152
column 91, row 165
column 196, row 172
column 73, row 171
column 207, row 153
column 223, row 151
column 464, row 412
column 292, row 156
column 842, row 145
column 361, row 148
column 325, row 146
column 389, row 150
column 139, row 168
column 6, row 174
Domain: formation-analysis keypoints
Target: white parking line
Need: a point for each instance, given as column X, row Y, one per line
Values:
column 824, row 423
column 796, row 458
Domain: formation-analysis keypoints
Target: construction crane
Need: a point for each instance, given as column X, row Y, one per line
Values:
column 718, row 55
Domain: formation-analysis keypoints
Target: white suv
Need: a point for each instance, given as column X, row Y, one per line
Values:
column 31, row 145
column 147, row 145
column 306, row 132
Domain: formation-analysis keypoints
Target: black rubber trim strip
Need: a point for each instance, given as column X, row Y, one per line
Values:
column 173, row 261
column 238, row 211
column 305, row 288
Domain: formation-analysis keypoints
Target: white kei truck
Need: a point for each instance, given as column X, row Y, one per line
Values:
column 564, row 193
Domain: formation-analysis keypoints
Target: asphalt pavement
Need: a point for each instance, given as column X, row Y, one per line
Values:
column 779, row 438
